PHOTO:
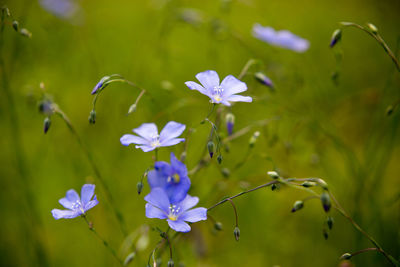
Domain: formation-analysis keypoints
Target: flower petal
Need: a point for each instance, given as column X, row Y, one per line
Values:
column 65, row 214
column 72, row 196
column 188, row 202
column 209, row 79
column 91, row 204
column 179, row 226
column 66, row 203
column 171, row 130
column 178, row 191
column 232, row 85
column 146, row 148
column 153, row 212
column 128, row 139
column 239, row 98
column 87, row 192
column 177, row 166
column 172, row 142
column 194, row 215
column 147, row 131
column 196, row 86
column 156, row 178
column 158, row 198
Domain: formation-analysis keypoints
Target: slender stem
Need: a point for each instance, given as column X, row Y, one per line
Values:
column 246, row 67
column 156, row 154
column 209, row 113
column 365, row 250
column 235, row 211
column 105, row 243
column 96, row 170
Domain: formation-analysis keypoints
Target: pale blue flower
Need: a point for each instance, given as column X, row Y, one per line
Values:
column 64, row 9
column 177, row 215
column 223, row 93
column 76, row 205
column 149, row 139
column 282, row 38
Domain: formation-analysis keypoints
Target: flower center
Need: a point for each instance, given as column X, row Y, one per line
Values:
column 217, row 95
column 175, row 178
column 155, row 141
column 173, row 212
column 78, row 206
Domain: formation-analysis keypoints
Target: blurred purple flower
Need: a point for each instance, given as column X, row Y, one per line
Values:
column 76, row 206
column 149, row 139
column 64, row 9
column 282, row 38
column 173, row 178
column 224, row 93
column 177, row 215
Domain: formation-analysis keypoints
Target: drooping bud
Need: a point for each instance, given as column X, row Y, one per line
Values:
column 308, row 184
column 336, row 36
column 92, row 117
column 129, row 258
column 45, row 107
column 253, row 139
column 226, row 172
column 236, row 233
column 132, row 108
column 274, row 187
column 329, row 222
column 211, row 148
column 326, row 201
column 15, row 25
column 273, row 174
column 373, row 28
column 218, row 226
column 346, row 256
column 263, row 79
column 139, row 187
column 297, row 205
column 46, row 124
column 171, row 263
column 230, row 121
column 325, row 233
column 219, row 158
column 25, row 33
column 100, row 84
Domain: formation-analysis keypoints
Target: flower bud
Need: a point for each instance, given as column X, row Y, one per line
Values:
column 373, row 28
column 230, row 121
column 308, row 184
column 25, row 33
column 100, row 84
column 211, row 148
column 274, row 187
column 46, row 124
column 263, row 79
column 226, row 172
column 326, row 201
column 273, row 174
column 325, row 233
column 219, row 158
column 218, row 226
column 329, row 222
column 15, row 25
column 132, row 108
column 171, row 263
column 183, row 156
column 346, row 256
column 129, row 258
column 92, row 117
column 236, row 233
column 45, row 107
column 297, row 205
column 139, row 187
column 336, row 36
column 253, row 138
column 389, row 110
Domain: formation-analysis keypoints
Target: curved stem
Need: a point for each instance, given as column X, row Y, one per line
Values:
column 235, row 211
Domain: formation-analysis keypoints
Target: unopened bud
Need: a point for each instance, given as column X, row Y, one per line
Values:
column 325, row 233
column 183, row 156
column 336, row 36
column 92, row 117
column 15, row 25
column 139, row 187
column 219, row 158
column 46, row 124
column 132, row 108
column 171, row 263
column 236, row 233
column 253, row 138
column 211, row 148
column 226, row 172
column 100, row 84
column 25, row 33
column 297, row 205
column 346, row 256
column 230, row 122
column 263, row 79
column 218, row 226
column 274, row 187
column 273, row 174
column 308, row 184
column 129, row 258
column 326, row 201
column 329, row 222
column 372, row 27
column 389, row 110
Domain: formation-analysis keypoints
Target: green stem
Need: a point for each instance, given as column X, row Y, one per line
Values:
column 246, row 67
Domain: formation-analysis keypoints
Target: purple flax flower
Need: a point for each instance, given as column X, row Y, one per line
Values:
column 76, row 206
column 149, row 139
column 172, row 178
column 64, row 9
column 283, row 38
column 177, row 215
column 224, row 93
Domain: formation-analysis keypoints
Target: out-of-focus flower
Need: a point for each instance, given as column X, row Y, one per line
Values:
column 177, row 215
column 149, row 139
column 65, row 9
column 173, row 178
column 223, row 93
column 282, row 38
column 76, row 206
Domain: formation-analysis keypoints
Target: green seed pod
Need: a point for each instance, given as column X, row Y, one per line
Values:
column 346, row 256
column 139, row 187
column 15, row 25
column 253, row 139
column 218, row 226
column 132, row 108
column 308, row 184
column 329, row 222
column 373, row 28
column 92, row 117
column 219, row 158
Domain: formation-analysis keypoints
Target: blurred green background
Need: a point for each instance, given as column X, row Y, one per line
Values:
column 339, row 133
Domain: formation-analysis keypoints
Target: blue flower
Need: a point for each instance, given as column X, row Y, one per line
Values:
column 172, row 178
column 76, row 206
column 149, row 139
column 224, row 93
column 64, row 9
column 177, row 215
column 283, row 38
